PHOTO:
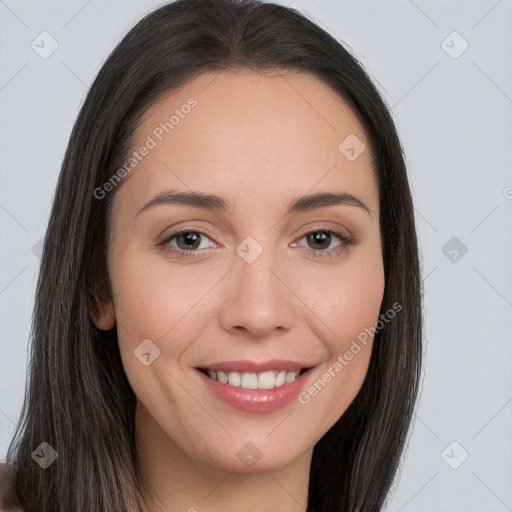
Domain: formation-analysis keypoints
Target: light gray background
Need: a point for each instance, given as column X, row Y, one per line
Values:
column 454, row 119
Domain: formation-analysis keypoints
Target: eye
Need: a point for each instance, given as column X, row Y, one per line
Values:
column 320, row 240
column 187, row 242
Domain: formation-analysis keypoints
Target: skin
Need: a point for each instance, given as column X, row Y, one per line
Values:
column 259, row 140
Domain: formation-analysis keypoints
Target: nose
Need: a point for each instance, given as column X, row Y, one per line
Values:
column 258, row 299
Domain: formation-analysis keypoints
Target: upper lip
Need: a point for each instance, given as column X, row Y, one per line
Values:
column 256, row 367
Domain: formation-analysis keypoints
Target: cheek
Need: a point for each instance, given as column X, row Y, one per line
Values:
column 151, row 300
column 154, row 302
column 355, row 303
column 161, row 302
column 349, row 307
column 346, row 297
column 354, row 308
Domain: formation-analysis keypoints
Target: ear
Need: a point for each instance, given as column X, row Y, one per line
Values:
column 103, row 316
column 102, row 312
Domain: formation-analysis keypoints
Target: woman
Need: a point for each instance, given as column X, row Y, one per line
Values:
column 275, row 364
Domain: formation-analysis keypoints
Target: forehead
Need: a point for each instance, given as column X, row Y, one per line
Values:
column 259, row 134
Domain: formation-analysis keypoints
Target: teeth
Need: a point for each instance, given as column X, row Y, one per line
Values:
column 266, row 380
column 290, row 376
column 248, row 380
column 281, row 378
column 234, row 379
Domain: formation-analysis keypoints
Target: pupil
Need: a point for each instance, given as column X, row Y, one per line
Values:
column 320, row 237
column 189, row 237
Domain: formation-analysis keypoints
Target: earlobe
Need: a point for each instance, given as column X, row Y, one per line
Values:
column 103, row 317
column 102, row 312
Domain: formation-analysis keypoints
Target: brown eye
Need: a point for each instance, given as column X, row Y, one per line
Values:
column 188, row 240
column 184, row 243
column 319, row 240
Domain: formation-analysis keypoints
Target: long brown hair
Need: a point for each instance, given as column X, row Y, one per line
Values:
column 78, row 399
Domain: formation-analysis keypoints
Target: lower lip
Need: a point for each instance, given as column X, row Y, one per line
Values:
column 256, row 400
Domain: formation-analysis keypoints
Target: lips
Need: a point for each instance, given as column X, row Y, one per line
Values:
column 256, row 391
column 255, row 375
column 257, row 367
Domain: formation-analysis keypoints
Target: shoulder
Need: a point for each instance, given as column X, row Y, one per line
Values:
column 8, row 498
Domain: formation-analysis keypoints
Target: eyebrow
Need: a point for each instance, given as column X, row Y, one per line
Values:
column 217, row 203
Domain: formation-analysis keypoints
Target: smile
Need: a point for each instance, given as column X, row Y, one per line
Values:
column 268, row 379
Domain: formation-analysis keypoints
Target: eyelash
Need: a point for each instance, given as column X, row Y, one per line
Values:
column 329, row 253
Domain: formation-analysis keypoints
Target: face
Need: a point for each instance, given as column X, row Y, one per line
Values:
column 245, row 287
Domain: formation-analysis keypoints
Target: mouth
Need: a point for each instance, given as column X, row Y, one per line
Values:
column 268, row 379
column 259, row 387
